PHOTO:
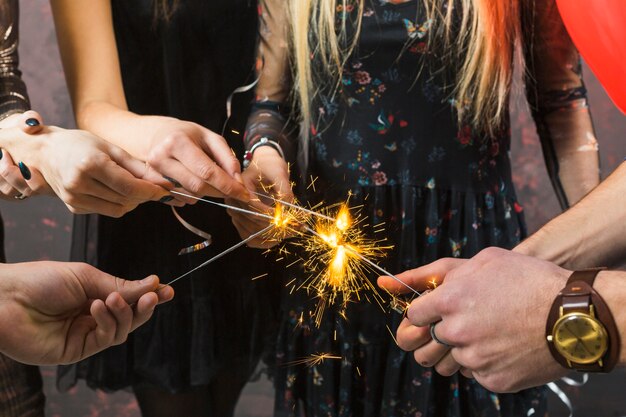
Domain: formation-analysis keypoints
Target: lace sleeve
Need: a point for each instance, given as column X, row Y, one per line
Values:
column 13, row 96
column 558, row 101
column 269, row 115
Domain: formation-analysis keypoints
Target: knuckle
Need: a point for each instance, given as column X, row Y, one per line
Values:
column 195, row 185
column 206, row 171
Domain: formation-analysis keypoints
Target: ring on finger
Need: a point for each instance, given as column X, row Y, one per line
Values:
column 435, row 338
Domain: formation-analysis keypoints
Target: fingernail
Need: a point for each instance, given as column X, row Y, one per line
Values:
column 1, row 155
column 24, row 170
column 173, row 181
column 32, row 122
column 166, row 199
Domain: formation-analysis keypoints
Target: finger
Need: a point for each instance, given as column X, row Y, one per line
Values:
column 13, row 175
column 165, row 293
column 447, row 366
column 466, row 373
column 245, row 230
column 421, row 278
column 98, row 284
column 122, row 182
column 104, row 333
column 410, row 337
column 31, row 122
column 144, row 309
column 430, row 353
column 7, row 190
column 425, row 309
column 86, row 204
column 192, row 184
column 123, row 316
column 222, row 153
column 37, row 182
column 210, row 172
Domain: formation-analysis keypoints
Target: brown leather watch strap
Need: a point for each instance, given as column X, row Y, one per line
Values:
column 577, row 296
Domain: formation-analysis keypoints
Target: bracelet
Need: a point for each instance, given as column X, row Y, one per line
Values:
column 264, row 141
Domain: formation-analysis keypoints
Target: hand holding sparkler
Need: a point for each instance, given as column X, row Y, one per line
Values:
column 268, row 173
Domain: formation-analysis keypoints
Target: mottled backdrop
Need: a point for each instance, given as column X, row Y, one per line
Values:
column 40, row 228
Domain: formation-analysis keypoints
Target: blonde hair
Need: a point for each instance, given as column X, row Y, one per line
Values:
column 483, row 46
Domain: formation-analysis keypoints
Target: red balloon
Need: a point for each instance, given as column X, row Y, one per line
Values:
column 598, row 28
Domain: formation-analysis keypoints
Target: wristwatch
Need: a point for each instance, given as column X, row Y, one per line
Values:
column 581, row 331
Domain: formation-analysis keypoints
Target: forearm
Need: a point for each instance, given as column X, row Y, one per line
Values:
column 571, row 151
column 115, row 124
column 592, row 233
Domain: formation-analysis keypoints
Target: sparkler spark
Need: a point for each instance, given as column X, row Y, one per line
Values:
column 315, row 359
column 335, row 249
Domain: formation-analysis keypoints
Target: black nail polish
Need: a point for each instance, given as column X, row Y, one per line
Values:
column 32, row 122
column 166, row 199
column 1, row 154
column 173, row 181
column 24, row 170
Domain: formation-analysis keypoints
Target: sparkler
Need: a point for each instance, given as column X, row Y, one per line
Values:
column 221, row 254
column 339, row 254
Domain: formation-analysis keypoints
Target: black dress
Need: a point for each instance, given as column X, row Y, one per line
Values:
column 185, row 68
column 443, row 189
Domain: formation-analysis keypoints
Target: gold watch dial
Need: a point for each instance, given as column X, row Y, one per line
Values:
column 580, row 338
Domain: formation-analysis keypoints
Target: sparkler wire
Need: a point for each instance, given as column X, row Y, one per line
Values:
column 225, row 252
column 307, row 228
column 295, row 206
column 227, row 206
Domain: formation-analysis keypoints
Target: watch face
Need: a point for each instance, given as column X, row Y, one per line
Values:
column 580, row 338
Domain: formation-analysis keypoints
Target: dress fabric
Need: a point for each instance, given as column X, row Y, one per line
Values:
column 391, row 139
column 21, row 386
column 185, row 68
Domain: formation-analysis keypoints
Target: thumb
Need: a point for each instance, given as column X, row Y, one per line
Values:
column 99, row 285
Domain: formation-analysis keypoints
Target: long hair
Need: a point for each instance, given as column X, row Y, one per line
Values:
column 477, row 35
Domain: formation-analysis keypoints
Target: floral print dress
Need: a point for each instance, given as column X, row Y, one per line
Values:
column 391, row 140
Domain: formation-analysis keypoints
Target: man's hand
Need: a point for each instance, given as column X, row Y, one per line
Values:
column 492, row 310
column 59, row 313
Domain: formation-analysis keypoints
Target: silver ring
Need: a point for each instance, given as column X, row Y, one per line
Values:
column 434, row 336
column 20, row 197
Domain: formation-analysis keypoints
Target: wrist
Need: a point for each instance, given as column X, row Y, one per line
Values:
column 262, row 148
column 611, row 285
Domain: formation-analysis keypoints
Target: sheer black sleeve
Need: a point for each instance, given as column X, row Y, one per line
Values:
column 270, row 113
column 558, row 101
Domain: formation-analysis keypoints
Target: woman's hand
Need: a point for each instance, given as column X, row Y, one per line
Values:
column 268, row 174
column 12, row 182
column 89, row 174
column 193, row 158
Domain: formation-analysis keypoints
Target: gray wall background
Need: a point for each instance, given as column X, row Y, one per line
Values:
column 40, row 228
